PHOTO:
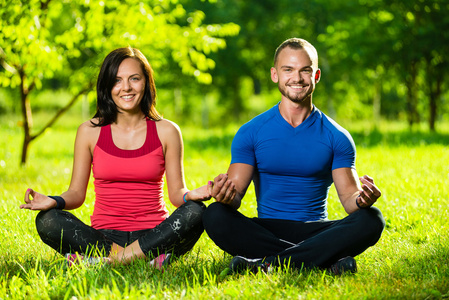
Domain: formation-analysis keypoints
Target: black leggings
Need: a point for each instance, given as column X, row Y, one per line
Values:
column 308, row 244
column 65, row 233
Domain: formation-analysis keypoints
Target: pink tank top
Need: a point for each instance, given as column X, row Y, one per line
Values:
column 128, row 183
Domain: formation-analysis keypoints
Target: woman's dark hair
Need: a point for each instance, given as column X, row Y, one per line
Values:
column 106, row 109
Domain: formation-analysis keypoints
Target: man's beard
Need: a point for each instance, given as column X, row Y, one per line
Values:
column 297, row 97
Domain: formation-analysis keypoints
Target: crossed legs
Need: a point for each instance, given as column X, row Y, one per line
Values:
column 308, row 244
column 65, row 233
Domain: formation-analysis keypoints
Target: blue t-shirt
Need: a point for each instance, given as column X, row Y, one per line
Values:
column 293, row 166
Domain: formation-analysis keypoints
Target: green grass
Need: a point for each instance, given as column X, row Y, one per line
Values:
column 409, row 262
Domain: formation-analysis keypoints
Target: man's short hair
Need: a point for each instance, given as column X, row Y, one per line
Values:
column 297, row 43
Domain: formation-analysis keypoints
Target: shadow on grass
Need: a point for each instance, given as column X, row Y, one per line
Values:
column 376, row 137
column 361, row 138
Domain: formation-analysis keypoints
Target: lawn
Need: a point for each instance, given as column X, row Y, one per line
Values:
column 409, row 262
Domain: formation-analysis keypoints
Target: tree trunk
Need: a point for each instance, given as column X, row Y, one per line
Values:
column 26, row 116
column 434, row 81
column 435, row 92
column 412, row 95
column 377, row 98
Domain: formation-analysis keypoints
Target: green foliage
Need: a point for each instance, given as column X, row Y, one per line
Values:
column 410, row 261
column 48, row 40
column 68, row 40
column 378, row 58
column 367, row 50
column 24, row 45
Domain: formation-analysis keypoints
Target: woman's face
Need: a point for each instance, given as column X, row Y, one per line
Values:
column 129, row 86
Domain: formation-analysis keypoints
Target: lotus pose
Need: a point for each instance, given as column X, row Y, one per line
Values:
column 129, row 147
column 293, row 153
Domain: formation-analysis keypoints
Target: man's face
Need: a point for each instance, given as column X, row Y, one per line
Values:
column 295, row 75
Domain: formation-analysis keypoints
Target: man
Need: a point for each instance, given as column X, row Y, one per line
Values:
column 293, row 153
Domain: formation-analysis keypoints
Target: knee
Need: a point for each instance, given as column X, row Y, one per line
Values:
column 190, row 213
column 196, row 206
column 47, row 222
column 193, row 212
column 213, row 217
column 373, row 220
column 45, row 218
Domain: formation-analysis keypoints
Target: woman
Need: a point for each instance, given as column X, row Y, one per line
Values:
column 129, row 148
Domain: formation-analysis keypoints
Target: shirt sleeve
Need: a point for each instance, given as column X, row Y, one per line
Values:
column 344, row 151
column 242, row 148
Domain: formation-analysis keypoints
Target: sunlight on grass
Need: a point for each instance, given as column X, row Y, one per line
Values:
column 410, row 260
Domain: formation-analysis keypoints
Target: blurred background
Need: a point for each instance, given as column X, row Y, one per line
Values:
column 381, row 60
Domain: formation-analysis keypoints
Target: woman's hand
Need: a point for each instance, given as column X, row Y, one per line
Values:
column 202, row 193
column 39, row 201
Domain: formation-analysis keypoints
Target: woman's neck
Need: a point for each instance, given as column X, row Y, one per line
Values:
column 130, row 121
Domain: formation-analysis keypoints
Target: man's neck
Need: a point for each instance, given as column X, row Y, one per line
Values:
column 295, row 113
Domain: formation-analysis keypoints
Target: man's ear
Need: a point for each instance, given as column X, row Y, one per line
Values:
column 274, row 75
column 317, row 75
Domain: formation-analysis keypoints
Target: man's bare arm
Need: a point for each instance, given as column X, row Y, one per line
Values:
column 230, row 188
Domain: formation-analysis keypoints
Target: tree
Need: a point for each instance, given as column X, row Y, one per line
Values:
column 419, row 42
column 249, row 56
column 44, row 39
column 368, row 50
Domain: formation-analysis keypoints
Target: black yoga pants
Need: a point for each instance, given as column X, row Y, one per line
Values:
column 65, row 233
column 301, row 244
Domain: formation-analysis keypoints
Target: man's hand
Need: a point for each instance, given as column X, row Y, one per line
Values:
column 370, row 193
column 223, row 189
